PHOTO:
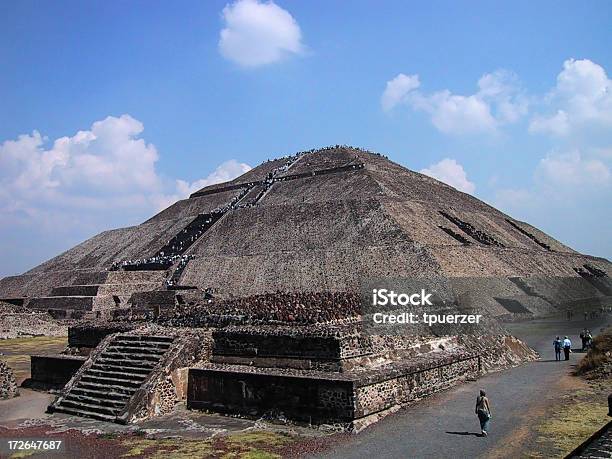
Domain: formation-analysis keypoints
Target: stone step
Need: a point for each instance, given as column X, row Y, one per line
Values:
column 62, row 302
column 104, row 389
column 123, row 356
column 146, row 338
column 115, row 374
column 121, row 368
column 136, row 350
column 125, row 362
column 89, row 407
column 75, row 290
column 111, row 381
column 100, row 394
column 141, row 344
column 84, row 413
column 90, row 385
column 134, row 277
column 115, row 404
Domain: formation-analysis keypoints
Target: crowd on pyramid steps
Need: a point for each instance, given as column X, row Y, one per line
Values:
column 467, row 228
column 301, row 308
column 176, row 275
column 295, row 156
column 175, row 247
column 188, row 235
column 153, row 263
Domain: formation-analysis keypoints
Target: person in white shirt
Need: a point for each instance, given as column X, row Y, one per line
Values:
column 567, row 347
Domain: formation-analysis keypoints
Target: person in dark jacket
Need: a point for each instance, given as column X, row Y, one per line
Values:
column 557, row 344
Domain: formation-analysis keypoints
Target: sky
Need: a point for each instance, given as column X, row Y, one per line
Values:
column 111, row 111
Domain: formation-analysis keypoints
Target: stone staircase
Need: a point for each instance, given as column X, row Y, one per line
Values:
column 95, row 294
column 106, row 385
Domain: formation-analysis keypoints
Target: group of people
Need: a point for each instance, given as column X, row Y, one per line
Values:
column 564, row 345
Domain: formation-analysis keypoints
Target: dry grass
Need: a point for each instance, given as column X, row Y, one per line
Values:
column 16, row 352
column 598, row 356
column 244, row 445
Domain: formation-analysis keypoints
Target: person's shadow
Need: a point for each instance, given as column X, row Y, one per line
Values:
column 475, row 434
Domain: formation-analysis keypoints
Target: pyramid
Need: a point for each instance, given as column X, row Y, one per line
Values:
column 248, row 292
column 322, row 220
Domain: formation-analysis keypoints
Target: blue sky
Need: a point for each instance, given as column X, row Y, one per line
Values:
column 509, row 101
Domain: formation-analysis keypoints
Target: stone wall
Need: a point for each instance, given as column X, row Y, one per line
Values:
column 16, row 322
column 53, row 371
column 89, row 335
column 8, row 386
column 321, row 347
column 319, row 397
column 166, row 385
column 309, row 399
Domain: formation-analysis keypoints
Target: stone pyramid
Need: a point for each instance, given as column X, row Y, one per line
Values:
column 321, row 220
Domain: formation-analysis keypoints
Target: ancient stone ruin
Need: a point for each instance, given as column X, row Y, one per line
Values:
column 245, row 297
column 8, row 386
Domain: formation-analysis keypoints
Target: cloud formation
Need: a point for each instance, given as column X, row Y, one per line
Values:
column 105, row 165
column 225, row 172
column 452, row 173
column 398, row 89
column 573, row 170
column 95, row 179
column 258, row 33
column 498, row 101
column 583, row 94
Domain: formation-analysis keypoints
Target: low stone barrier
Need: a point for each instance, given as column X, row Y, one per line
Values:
column 8, row 386
column 319, row 397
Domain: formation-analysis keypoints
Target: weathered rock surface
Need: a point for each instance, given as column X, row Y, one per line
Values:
column 8, row 386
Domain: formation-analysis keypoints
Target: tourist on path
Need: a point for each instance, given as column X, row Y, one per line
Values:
column 483, row 410
column 557, row 344
column 567, row 347
column 588, row 337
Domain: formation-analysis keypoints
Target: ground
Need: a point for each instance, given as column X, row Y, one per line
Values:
column 539, row 410
column 16, row 352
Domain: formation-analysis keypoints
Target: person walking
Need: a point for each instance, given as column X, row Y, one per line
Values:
column 483, row 411
column 588, row 339
column 557, row 344
column 567, row 347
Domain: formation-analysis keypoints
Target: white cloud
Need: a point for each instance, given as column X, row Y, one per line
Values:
column 557, row 124
column 453, row 114
column 96, row 174
column 560, row 179
column 572, row 169
column 583, row 94
column 258, row 33
column 227, row 171
column 452, row 173
column 397, row 89
column 498, row 101
column 109, row 158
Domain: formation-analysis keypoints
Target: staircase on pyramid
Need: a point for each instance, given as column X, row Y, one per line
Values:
column 109, row 382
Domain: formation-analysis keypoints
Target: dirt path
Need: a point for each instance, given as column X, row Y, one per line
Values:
column 445, row 425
